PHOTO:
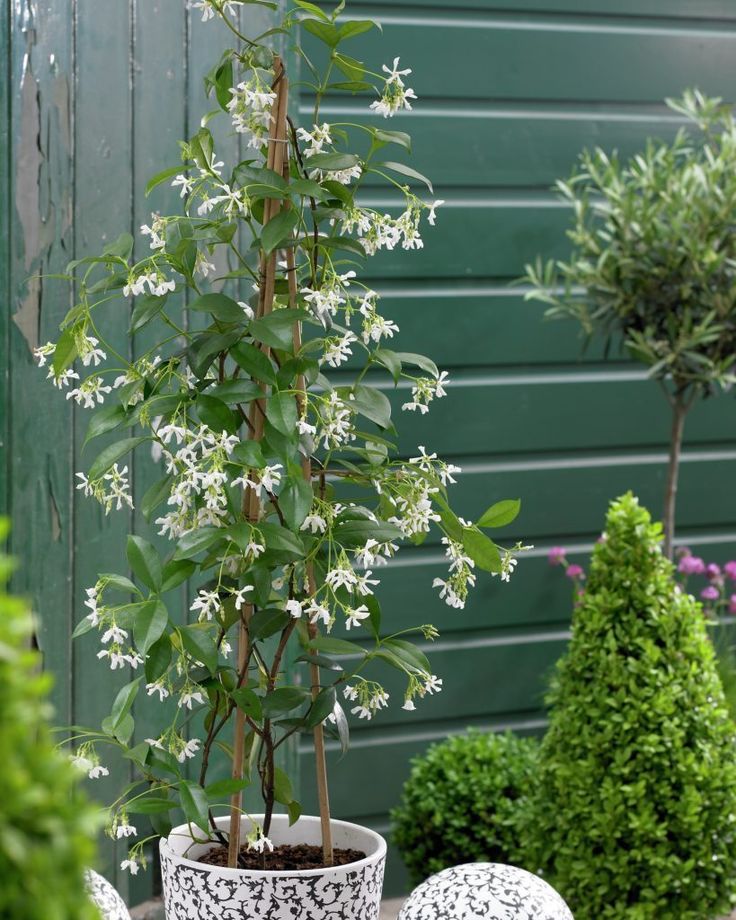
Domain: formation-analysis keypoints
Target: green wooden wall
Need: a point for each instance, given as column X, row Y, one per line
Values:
column 93, row 98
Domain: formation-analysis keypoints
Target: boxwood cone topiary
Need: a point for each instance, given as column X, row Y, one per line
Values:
column 46, row 830
column 462, row 801
column 635, row 811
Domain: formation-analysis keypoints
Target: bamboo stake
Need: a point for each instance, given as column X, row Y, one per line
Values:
column 251, row 505
column 319, row 733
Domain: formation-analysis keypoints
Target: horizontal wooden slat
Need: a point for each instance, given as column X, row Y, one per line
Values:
column 478, row 236
column 483, row 145
column 573, row 58
column 484, row 325
column 688, row 9
column 491, row 414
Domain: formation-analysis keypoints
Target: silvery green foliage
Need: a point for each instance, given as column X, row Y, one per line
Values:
column 242, row 412
column 654, row 251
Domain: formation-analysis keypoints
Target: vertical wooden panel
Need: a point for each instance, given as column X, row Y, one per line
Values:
column 40, row 243
column 5, row 75
column 102, row 210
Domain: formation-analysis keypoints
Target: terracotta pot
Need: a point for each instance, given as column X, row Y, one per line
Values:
column 195, row 891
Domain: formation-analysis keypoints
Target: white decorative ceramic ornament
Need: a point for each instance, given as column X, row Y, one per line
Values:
column 195, row 891
column 101, row 893
column 485, row 891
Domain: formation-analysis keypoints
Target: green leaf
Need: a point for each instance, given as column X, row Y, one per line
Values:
column 224, row 788
column 373, row 404
column 249, row 453
column 124, row 703
column 248, row 702
column 236, row 391
column 105, row 419
column 356, row 533
column 408, row 172
column 149, row 625
column 254, row 362
column 312, row 8
column 278, row 229
column 149, row 805
column 281, row 542
column 393, row 137
column 408, row 653
column 216, row 415
column 221, row 307
column 267, row 622
column 390, row 360
column 154, row 496
column 224, row 83
column 120, row 582
column 282, row 413
column 326, row 32
column 158, row 659
column 295, row 500
column 162, row 177
column 500, row 514
column 309, row 188
column 322, row 706
column 357, row 27
column 196, row 541
column 482, row 550
column 333, row 162
column 282, row 787
column 112, row 454
column 426, row 364
column 277, row 329
column 371, row 602
column 65, row 352
column 336, row 646
column 198, row 642
column 144, row 561
column 145, row 309
column 175, row 573
column 285, row 699
column 342, row 727
column 195, row 805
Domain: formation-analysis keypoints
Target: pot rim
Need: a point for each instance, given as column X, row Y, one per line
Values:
column 182, row 830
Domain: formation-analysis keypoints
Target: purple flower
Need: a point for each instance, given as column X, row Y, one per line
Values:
column 732, row 604
column 713, row 571
column 574, row 571
column 691, row 565
column 710, row 593
column 730, row 569
column 557, row 555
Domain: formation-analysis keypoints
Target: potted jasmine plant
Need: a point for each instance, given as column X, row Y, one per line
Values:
column 281, row 489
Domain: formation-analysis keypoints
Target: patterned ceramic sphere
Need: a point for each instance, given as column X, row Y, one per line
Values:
column 101, row 892
column 485, row 891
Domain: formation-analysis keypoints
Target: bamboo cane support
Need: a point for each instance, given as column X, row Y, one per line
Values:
column 251, row 506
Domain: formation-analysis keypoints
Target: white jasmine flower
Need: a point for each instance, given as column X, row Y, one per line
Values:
column 338, row 350
column 88, row 350
column 317, row 138
column 185, row 183
column 424, row 391
column 315, row 523
column 97, row 771
column 90, row 392
column 350, row 693
column 247, row 311
column 355, row 616
column 363, row 583
column 63, row 379
column 125, row 830
column 82, row 763
column 158, row 687
column 303, row 427
column 114, row 633
column 431, row 217
column 409, row 705
column 341, row 576
column 433, row 684
column 271, row 477
column 258, row 842
column 294, row 608
column 189, row 697
column 207, row 605
column 131, row 865
column 395, row 95
column 155, row 743
column 189, row 750
column 43, row 352
column 317, row 612
column 362, row 712
column 240, row 596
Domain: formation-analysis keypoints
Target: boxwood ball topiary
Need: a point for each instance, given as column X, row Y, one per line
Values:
column 47, row 831
column 634, row 815
column 462, row 800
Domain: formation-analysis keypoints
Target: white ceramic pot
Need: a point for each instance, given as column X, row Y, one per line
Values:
column 195, row 891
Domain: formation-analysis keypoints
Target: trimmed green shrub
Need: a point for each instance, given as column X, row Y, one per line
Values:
column 634, row 813
column 46, row 829
column 462, row 800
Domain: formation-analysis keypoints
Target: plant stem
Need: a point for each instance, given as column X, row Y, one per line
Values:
column 679, row 412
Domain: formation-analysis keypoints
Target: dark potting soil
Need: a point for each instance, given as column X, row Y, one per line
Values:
column 284, row 858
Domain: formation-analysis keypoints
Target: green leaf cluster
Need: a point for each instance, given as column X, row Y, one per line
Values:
column 634, row 815
column 462, row 802
column 46, row 825
column 654, row 251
